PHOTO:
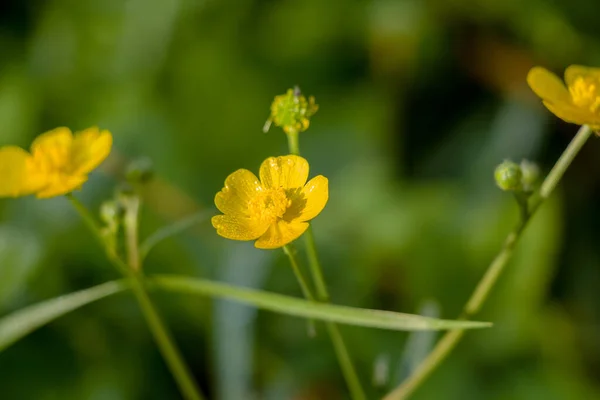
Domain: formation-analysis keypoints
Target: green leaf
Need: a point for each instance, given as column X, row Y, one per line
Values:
column 307, row 309
column 19, row 324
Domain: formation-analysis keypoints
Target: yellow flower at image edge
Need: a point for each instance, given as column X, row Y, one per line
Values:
column 578, row 102
column 274, row 210
column 59, row 162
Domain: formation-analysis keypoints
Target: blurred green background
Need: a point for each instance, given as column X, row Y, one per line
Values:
column 419, row 100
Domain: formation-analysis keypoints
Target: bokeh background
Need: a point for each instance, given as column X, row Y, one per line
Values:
column 419, row 100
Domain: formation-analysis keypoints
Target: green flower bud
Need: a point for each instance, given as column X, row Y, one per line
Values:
column 111, row 213
column 531, row 174
column 292, row 111
column 139, row 171
column 508, row 176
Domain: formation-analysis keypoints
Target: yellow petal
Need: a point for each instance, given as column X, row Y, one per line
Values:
column 287, row 172
column 53, row 148
column 240, row 187
column 35, row 178
column 572, row 114
column 13, row 166
column 280, row 234
column 307, row 201
column 238, row 228
column 90, row 147
column 574, row 71
column 316, row 193
column 61, row 185
column 548, row 86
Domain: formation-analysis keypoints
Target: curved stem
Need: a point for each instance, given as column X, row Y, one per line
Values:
column 339, row 345
column 87, row 218
column 451, row 338
column 290, row 251
column 315, row 265
column 564, row 161
column 161, row 335
column 165, row 343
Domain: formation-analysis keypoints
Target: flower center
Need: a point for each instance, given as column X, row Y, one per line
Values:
column 585, row 93
column 269, row 205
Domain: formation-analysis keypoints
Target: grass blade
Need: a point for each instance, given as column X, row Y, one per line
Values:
column 19, row 324
column 306, row 309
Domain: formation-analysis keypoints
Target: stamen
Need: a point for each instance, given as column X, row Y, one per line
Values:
column 585, row 94
column 269, row 205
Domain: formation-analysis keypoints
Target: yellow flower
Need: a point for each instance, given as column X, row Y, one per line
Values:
column 274, row 209
column 59, row 162
column 578, row 102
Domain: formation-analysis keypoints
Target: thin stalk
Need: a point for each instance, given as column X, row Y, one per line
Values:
column 96, row 231
column 159, row 331
column 293, row 143
column 290, row 251
column 87, row 218
column 165, row 342
column 315, row 266
column 487, row 282
column 339, row 345
column 130, row 223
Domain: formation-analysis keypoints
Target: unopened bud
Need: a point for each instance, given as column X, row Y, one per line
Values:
column 531, row 174
column 292, row 111
column 111, row 212
column 508, row 176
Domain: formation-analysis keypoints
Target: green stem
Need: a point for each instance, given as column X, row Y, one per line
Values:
column 564, row 161
column 290, row 251
column 293, row 143
column 522, row 200
column 130, row 223
column 315, row 266
column 475, row 302
column 93, row 226
column 339, row 345
column 159, row 331
column 166, row 345
column 87, row 218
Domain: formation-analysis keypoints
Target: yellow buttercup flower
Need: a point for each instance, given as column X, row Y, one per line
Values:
column 274, row 210
column 59, row 162
column 578, row 102
column 18, row 175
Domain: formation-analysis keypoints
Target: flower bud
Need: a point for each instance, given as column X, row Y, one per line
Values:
column 111, row 212
column 508, row 176
column 531, row 174
column 139, row 171
column 292, row 111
